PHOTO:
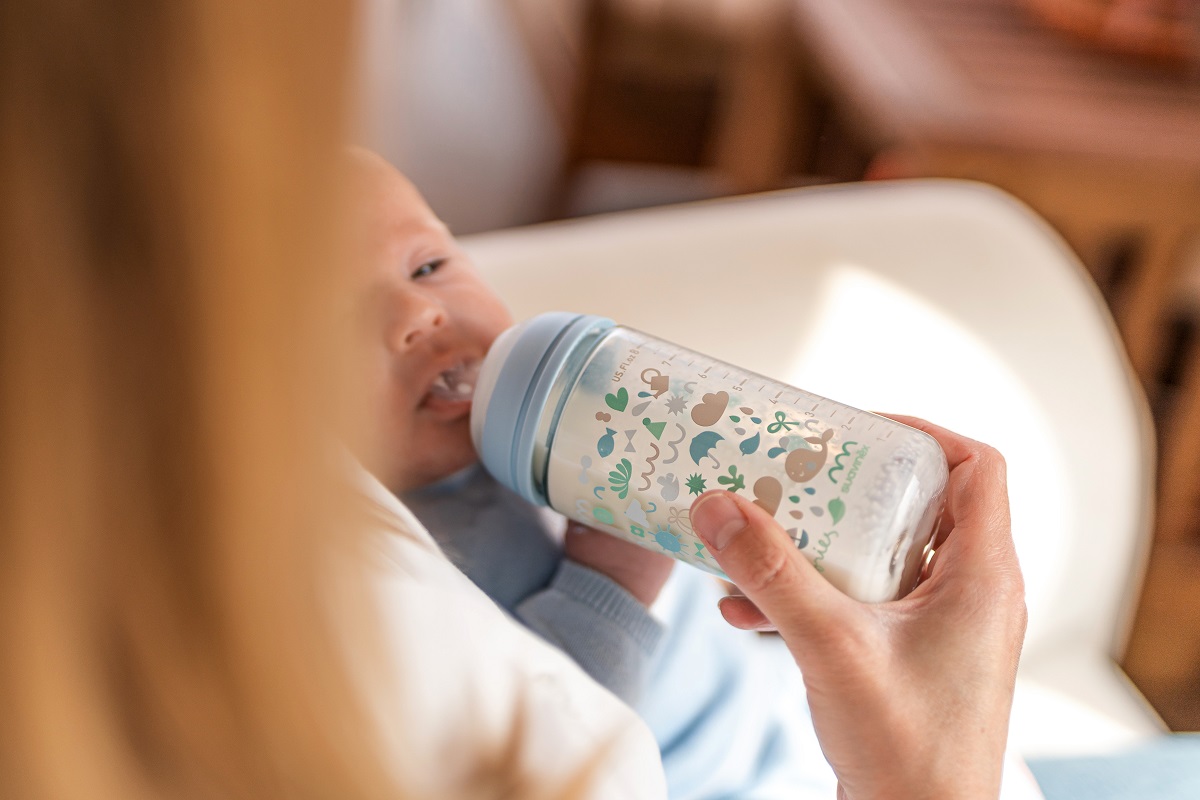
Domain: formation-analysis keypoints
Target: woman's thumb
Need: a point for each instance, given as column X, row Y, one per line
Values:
column 761, row 559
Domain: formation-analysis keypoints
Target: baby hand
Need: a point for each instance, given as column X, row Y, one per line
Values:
column 639, row 571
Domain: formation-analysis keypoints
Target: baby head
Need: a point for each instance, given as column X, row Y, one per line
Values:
column 425, row 318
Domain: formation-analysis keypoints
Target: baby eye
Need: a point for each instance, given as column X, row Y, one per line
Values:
column 428, row 268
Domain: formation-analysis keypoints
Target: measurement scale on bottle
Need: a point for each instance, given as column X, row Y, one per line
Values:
column 741, row 383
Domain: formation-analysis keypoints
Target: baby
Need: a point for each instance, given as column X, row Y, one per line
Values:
column 425, row 319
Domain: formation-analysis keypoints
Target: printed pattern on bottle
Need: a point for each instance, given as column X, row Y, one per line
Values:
column 649, row 426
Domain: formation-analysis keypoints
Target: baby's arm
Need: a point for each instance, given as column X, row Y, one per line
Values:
column 595, row 608
column 599, row 624
column 505, row 547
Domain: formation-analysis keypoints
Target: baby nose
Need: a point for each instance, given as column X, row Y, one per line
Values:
column 419, row 318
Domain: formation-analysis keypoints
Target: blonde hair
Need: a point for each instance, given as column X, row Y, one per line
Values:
column 168, row 199
column 167, row 185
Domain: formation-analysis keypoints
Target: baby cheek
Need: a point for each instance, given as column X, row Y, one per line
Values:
column 501, row 321
column 393, row 396
column 484, row 320
column 500, row 315
column 485, row 312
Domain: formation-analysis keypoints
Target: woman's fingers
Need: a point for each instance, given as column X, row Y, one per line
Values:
column 957, row 448
column 973, row 546
column 740, row 612
column 783, row 589
column 976, row 493
column 762, row 560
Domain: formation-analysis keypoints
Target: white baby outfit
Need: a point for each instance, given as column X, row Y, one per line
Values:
column 468, row 675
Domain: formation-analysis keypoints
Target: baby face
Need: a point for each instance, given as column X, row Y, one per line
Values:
column 425, row 320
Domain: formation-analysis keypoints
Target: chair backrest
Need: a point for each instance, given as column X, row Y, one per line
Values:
column 946, row 300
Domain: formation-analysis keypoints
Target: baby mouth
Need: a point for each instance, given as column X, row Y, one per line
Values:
column 456, row 384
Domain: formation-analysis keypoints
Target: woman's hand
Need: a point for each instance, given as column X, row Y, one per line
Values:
column 909, row 698
column 639, row 571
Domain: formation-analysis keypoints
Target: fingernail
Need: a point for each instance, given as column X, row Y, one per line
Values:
column 716, row 518
column 763, row 627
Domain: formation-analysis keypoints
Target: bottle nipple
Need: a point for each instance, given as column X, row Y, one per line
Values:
column 458, row 382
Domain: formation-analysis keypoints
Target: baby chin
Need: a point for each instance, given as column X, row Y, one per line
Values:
column 440, row 450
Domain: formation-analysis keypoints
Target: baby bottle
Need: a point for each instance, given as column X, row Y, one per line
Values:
column 621, row 431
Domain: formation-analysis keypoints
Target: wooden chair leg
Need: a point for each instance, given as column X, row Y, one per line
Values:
column 1163, row 653
column 1179, row 485
column 1141, row 310
column 752, row 137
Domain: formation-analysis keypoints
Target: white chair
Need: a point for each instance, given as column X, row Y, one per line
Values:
column 947, row 300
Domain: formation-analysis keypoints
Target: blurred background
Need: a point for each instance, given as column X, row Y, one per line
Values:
column 510, row 112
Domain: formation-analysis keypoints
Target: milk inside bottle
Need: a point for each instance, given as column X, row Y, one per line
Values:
column 622, row 431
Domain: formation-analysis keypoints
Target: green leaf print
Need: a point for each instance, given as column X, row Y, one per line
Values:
column 618, row 479
column 734, row 481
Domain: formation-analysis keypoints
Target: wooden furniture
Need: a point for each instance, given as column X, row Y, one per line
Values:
column 1107, row 150
column 976, row 88
column 688, row 83
column 1159, row 31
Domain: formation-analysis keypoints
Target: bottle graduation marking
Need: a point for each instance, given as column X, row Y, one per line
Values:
column 738, row 384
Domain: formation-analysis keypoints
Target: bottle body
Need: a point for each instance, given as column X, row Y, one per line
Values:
column 633, row 428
